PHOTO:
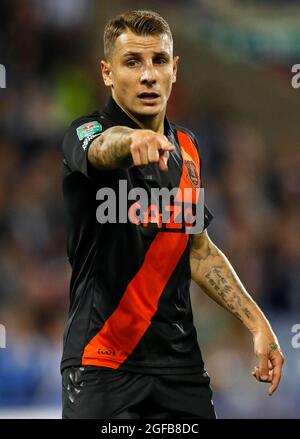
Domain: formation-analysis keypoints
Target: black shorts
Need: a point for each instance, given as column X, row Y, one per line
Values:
column 91, row 392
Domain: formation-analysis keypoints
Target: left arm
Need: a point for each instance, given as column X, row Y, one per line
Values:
column 212, row 271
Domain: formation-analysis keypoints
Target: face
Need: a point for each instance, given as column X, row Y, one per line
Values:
column 141, row 72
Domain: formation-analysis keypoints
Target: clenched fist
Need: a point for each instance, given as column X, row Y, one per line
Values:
column 270, row 359
column 146, row 147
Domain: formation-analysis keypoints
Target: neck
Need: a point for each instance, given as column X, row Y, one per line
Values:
column 154, row 123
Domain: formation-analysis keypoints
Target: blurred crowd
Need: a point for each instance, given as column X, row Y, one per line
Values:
column 251, row 187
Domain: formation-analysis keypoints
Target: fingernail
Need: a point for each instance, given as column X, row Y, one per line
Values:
column 264, row 377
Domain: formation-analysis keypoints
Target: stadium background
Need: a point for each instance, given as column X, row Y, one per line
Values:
column 234, row 90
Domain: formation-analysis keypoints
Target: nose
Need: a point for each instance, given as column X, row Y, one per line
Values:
column 148, row 74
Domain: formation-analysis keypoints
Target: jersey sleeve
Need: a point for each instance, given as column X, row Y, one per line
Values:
column 77, row 141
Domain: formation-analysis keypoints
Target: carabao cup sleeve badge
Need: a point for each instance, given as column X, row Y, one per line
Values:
column 88, row 129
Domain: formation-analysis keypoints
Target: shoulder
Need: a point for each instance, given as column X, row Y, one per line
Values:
column 96, row 116
column 78, row 138
column 82, row 130
column 89, row 118
column 79, row 119
column 86, row 128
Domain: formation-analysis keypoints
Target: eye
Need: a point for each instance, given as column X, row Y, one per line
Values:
column 160, row 60
column 132, row 63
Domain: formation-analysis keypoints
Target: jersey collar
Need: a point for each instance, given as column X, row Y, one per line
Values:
column 115, row 113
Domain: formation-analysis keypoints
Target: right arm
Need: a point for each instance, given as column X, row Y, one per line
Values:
column 123, row 147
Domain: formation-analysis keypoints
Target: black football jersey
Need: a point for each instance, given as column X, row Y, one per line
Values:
column 130, row 305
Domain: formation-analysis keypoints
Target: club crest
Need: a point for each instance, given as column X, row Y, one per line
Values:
column 192, row 173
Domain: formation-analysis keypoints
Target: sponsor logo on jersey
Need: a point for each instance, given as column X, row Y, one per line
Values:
column 103, row 351
column 176, row 209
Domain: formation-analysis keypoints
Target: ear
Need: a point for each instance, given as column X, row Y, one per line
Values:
column 175, row 64
column 106, row 73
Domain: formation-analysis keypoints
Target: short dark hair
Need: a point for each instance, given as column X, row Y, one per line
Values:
column 140, row 22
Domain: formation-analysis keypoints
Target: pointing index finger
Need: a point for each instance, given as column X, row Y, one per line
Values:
column 167, row 146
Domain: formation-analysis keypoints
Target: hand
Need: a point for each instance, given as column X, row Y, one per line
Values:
column 270, row 359
column 149, row 147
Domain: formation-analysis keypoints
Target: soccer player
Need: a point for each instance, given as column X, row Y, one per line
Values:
column 130, row 345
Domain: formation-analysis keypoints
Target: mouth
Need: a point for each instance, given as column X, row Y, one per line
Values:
column 149, row 97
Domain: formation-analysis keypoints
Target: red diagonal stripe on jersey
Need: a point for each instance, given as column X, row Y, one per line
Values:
column 123, row 330
column 189, row 153
column 125, row 327
column 188, row 147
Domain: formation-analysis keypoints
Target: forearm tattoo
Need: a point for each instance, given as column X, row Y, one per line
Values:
column 115, row 154
column 220, row 280
column 232, row 296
